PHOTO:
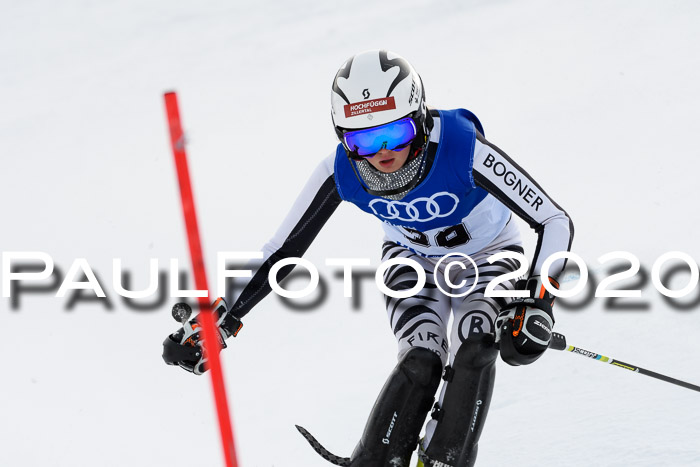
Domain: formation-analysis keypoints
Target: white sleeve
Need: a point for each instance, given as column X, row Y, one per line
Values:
column 313, row 207
column 498, row 174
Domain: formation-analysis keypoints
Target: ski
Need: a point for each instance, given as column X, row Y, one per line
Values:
column 323, row 452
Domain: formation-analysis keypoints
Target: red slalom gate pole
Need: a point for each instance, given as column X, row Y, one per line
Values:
column 211, row 341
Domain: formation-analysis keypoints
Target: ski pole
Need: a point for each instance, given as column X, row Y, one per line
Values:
column 558, row 342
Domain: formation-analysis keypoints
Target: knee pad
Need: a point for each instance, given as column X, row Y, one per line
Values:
column 422, row 366
column 462, row 412
column 393, row 427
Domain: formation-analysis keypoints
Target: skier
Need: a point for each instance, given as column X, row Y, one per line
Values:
column 439, row 187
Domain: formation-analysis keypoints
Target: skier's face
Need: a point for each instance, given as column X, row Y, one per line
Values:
column 389, row 161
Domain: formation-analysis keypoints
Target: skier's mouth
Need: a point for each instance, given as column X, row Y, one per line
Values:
column 386, row 162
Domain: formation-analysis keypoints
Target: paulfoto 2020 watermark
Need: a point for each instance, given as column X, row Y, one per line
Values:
column 23, row 271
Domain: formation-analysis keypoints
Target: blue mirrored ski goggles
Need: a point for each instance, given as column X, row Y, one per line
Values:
column 392, row 136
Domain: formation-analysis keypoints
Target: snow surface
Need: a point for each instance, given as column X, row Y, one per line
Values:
column 598, row 100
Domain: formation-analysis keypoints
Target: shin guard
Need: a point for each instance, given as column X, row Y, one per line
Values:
column 393, row 427
column 462, row 412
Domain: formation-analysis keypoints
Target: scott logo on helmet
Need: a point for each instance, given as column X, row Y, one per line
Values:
column 374, row 105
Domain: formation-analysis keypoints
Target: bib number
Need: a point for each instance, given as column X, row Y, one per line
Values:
column 451, row 237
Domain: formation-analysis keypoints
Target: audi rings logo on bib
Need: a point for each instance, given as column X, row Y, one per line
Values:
column 422, row 209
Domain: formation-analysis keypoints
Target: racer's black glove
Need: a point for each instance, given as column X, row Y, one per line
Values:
column 184, row 347
column 524, row 326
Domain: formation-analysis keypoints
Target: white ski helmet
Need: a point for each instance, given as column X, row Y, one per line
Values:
column 377, row 87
